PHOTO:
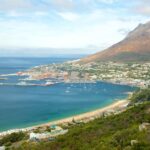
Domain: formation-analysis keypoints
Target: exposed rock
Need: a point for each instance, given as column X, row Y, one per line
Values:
column 144, row 126
column 133, row 142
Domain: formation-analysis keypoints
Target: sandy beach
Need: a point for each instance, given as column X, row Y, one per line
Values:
column 115, row 107
column 118, row 105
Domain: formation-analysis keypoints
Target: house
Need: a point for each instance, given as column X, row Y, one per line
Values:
column 2, row 147
column 55, row 131
column 38, row 136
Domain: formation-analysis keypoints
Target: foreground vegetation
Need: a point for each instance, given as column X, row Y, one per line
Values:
column 13, row 138
column 141, row 96
column 116, row 132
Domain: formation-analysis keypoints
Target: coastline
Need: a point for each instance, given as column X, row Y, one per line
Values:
column 115, row 107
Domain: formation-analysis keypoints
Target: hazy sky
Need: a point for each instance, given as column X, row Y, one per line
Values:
column 91, row 25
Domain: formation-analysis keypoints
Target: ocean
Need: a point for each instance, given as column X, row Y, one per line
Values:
column 24, row 106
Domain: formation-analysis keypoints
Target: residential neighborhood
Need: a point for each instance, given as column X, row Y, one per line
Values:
column 134, row 74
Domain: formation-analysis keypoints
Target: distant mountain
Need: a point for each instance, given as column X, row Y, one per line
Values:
column 134, row 48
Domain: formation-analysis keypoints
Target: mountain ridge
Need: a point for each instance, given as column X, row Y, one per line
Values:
column 134, row 47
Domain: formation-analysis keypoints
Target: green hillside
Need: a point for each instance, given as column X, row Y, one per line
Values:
column 116, row 132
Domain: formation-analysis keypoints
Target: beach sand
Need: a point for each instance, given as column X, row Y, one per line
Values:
column 112, row 108
column 115, row 107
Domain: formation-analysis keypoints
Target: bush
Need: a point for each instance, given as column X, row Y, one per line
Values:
column 140, row 96
column 12, row 138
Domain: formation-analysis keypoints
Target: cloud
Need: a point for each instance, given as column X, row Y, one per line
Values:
column 14, row 14
column 85, row 31
column 69, row 16
column 46, row 5
column 107, row 1
column 67, row 23
column 7, row 5
column 41, row 13
column 63, row 4
column 124, row 31
column 143, row 10
column 67, row 5
column 142, row 7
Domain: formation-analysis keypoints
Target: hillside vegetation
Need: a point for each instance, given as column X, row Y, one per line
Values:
column 116, row 132
column 141, row 96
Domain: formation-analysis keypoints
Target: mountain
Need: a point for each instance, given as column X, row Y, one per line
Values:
column 134, row 48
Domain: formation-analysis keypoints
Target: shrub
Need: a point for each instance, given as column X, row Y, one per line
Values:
column 141, row 96
column 12, row 138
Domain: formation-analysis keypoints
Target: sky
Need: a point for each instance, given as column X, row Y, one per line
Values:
column 67, row 26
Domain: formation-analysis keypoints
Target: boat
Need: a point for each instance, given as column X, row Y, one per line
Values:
column 48, row 83
column 22, row 84
column 67, row 91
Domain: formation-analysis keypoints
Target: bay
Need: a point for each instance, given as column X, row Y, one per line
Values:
column 24, row 106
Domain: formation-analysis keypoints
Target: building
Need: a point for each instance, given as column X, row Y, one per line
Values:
column 2, row 147
column 55, row 131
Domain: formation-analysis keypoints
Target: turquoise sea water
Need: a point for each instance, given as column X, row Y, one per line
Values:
column 23, row 106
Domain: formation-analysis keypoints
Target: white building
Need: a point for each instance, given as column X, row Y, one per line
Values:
column 54, row 132
column 2, row 147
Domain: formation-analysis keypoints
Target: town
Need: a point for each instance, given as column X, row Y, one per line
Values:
column 134, row 74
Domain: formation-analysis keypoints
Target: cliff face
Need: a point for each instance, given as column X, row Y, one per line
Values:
column 134, row 48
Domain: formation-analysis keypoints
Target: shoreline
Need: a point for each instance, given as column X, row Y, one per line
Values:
column 115, row 107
